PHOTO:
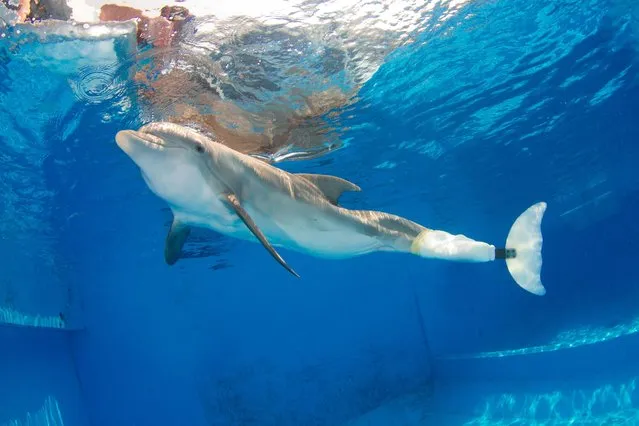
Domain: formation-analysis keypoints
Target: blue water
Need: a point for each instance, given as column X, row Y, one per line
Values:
column 506, row 104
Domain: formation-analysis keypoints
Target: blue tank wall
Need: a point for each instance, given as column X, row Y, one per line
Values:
column 592, row 384
column 39, row 384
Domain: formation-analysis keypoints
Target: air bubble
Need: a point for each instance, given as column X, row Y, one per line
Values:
column 95, row 85
column 227, row 63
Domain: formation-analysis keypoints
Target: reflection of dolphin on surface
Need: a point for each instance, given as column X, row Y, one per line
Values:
column 208, row 184
column 272, row 80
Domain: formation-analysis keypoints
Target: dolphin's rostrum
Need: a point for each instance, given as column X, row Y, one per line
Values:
column 208, row 184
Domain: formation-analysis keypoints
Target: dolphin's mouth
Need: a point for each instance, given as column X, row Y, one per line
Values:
column 150, row 139
column 126, row 138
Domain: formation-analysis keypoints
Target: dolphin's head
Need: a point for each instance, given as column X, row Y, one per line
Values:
column 174, row 161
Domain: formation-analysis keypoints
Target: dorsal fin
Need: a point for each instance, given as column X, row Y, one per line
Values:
column 331, row 186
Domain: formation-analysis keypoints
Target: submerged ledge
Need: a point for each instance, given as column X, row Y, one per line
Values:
column 565, row 340
column 10, row 317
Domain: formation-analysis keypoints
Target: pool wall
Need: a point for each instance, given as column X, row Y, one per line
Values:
column 38, row 379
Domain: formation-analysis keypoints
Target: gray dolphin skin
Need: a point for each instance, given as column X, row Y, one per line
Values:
column 207, row 184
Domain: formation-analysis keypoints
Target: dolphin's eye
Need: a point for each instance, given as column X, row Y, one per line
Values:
column 199, row 148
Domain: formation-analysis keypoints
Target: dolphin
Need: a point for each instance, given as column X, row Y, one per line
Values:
column 207, row 184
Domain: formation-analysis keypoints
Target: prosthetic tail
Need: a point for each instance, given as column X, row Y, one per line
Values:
column 522, row 252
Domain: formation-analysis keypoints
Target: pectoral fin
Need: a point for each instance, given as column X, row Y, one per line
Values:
column 175, row 239
column 250, row 224
column 331, row 186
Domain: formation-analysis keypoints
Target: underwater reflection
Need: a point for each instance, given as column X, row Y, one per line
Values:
column 273, row 81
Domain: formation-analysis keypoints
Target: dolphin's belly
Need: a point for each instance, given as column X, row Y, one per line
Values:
column 217, row 217
column 286, row 223
column 305, row 228
column 335, row 243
